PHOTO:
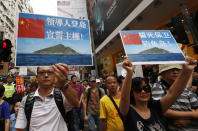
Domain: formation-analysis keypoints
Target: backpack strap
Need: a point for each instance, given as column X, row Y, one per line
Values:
column 100, row 92
column 59, row 102
column 88, row 97
column 28, row 108
column 118, row 110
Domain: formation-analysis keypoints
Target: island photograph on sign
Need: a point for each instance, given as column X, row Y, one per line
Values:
column 46, row 40
column 151, row 47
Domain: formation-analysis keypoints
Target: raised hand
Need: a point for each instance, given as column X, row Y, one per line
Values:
column 127, row 65
column 61, row 71
column 190, row 63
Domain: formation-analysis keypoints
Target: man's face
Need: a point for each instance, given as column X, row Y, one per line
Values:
column 85, row 83
column 9, row 79
column 16, row 107
column 171, row 75
column 112, row 84
column 93, row 84
column 45, row 76
column 74, row 80
column 101, row 80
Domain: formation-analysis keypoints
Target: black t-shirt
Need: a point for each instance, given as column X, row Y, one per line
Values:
column 134, row 122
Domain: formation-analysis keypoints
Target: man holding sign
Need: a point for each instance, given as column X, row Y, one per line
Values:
column 45, row 109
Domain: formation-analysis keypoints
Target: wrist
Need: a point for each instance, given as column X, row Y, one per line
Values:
column 65, row 87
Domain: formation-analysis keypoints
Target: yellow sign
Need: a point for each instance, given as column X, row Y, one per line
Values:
column 107, row 65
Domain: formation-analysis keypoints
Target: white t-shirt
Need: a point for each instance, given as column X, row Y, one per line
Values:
column 45, row 115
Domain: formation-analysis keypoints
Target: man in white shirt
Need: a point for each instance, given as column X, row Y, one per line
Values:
column 45, row 114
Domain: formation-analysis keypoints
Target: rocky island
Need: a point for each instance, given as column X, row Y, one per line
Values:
column 155, row 50
column 57, row 49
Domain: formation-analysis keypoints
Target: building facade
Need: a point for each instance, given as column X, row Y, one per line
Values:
column 9, row 10
column 111, row 16
column 72, row 9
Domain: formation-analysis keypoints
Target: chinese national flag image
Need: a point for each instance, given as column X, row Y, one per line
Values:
column 31, row 28
column 131, row 39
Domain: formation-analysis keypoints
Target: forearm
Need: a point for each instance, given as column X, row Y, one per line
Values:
column 125, row 94
column 103, row 125
column 71, row 96
column 180, row 84
column 85, row 107
column 172, row 114
column 7, row 124
column 81, row 98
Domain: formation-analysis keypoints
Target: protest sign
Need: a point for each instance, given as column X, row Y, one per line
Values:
column 46, row 40
column 20, row 84
column 151, row 47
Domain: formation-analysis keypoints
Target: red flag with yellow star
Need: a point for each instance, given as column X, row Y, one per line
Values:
column 131, row 39
column 31, row 28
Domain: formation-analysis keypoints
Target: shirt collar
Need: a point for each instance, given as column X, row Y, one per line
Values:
column 10, row 84
column 36, row 94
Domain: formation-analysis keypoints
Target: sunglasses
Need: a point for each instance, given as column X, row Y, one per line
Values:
column 137, row 89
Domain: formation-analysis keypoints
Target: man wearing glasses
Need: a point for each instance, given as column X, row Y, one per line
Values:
column 180, row 114
column 45, row 114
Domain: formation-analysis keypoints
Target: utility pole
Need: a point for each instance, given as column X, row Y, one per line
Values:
column 1, row 32
column 94, row 51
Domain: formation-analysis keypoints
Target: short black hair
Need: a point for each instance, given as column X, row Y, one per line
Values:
column 73, row 76
column 120, row 78
column 9, row 76
column 2, row 90
column 136, row 82
column 85, row 80
column 34, row 84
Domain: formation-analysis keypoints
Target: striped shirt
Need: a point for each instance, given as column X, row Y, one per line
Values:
column 185, row 102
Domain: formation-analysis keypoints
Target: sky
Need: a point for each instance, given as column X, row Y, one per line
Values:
column 44, row 7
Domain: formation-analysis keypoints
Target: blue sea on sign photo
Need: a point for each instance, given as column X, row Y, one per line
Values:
column 51, row 59
column 156, row 57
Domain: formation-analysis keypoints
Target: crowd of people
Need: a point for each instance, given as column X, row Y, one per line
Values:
column 54, row 103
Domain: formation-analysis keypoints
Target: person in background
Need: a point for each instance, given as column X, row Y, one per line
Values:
column 109, row 116
column 136, row 104
column 102, row 85
column 9, row 91
column 43, row 112
column 27, row 87
column 77, row 111
column 33, row 87
column 120, row 80
column 91, row 105
column 85, row 84
column 13, row 116
column 4, row 112
column 178, row 116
